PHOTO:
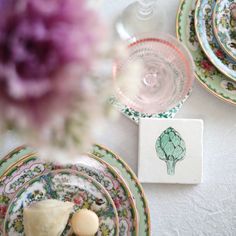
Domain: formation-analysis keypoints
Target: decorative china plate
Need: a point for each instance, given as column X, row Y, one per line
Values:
column 205, row 33
column 64, row 185
column 104, row 156
column 108, row 177
column 225, row 26
column 133, row 183
column 205, row 72
column 16, row 176
column 96, row 168
column 12, row 157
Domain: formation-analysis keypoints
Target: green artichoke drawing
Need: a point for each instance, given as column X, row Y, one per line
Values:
column 170, row 147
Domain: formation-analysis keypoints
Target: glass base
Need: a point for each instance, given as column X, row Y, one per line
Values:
column 131, row 22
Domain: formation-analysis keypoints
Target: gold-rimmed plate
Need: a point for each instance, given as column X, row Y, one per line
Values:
column 116, row 186
column 205, row 34
column 125, row 171
column 206, row 73
column 224, row 26
column 63, row 185
column 18, row 174
column 31, row 166
column 12, row 157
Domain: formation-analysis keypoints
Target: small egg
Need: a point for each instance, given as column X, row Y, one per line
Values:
column 85, row 222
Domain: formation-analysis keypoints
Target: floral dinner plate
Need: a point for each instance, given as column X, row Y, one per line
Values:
column 115, row 185
column 16, row 176
column 205, row 33
column 225, row 26
column 214, row 81
column 133, row 183
column 13, row 157
column 31, row 166
column 64, row 185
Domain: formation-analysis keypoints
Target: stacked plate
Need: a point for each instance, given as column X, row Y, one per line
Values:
column 208, row 29
column 100, row 181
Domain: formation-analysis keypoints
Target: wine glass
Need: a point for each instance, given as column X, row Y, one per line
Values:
column 142, row 16
column 166, row 77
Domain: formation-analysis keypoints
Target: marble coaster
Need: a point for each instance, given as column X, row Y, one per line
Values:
column 170, row 151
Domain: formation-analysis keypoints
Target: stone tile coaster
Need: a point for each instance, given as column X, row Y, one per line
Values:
column 170, row 151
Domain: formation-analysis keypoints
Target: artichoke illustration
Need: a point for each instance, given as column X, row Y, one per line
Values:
column 171, row 148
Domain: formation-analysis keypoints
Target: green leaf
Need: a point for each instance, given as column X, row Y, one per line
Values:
column 169, row 149
column 164, row 140
column 161, row 153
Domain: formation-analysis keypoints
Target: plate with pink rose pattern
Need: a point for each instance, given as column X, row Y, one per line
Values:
column 224, row 26
column 13, row 157
column 64, row 185
column 30, row 166
column 206, row 73
column 136, row 188
column 109, row 178
column 12, row 180
column 205, row 33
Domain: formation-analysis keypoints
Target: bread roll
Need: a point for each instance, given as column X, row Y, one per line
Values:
column 46, row 218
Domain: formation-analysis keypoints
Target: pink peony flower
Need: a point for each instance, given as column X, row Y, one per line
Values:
column 46, row 49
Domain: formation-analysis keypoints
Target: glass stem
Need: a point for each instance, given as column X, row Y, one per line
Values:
column 146, row 8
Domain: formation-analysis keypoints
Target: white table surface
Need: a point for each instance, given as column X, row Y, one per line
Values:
column 183, row 210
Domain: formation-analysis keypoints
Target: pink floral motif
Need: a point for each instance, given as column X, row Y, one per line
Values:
column 78, row 200
column 57, row 167
column 117, row 202
column 219, row 54
column 205, row 64
column 116, row 185
column 3, row 210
